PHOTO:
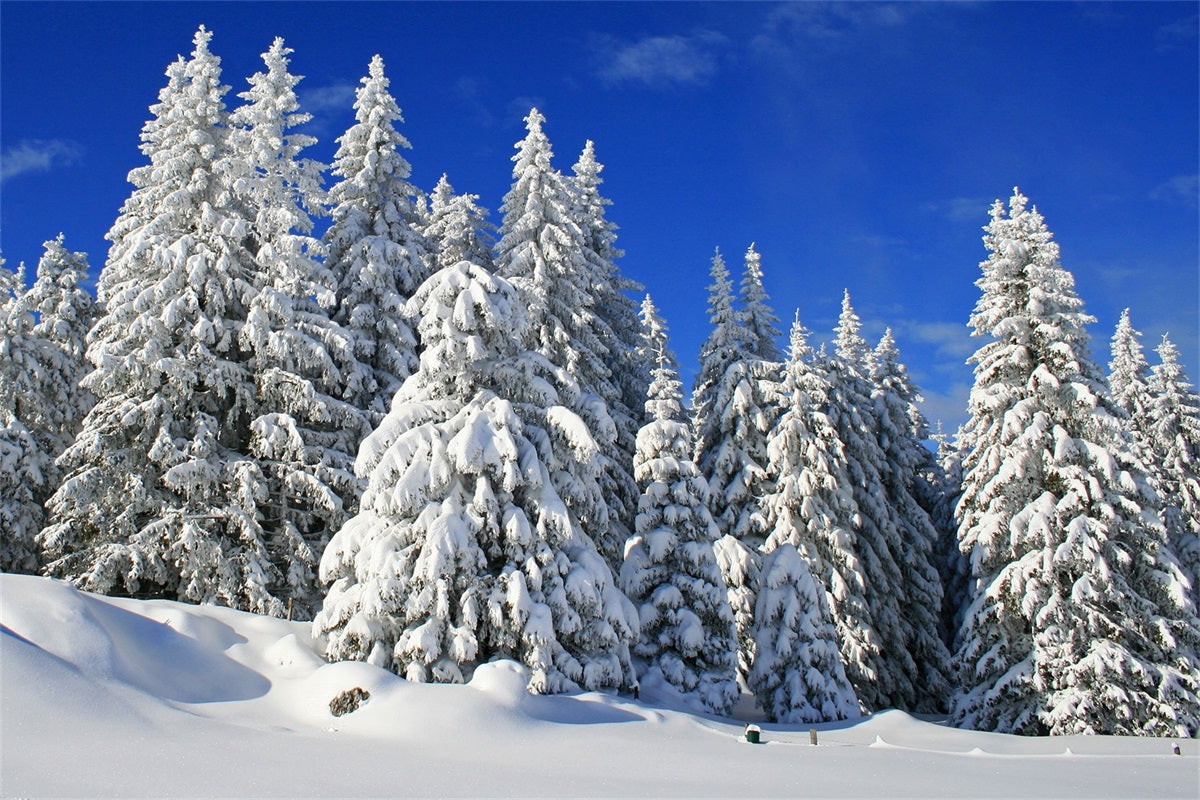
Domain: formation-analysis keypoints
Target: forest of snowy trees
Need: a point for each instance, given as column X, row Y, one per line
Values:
column 317, row 391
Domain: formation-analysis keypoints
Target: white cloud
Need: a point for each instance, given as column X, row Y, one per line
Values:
column 37, row 155
column 519, row 107
column 961, row 209
column 660, row 61
column 948, row 407
column 337, row 98
column 1178, row 33
column 1179, row 189
column 950, row 339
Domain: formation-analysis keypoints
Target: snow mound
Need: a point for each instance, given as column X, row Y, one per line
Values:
column 153, row 698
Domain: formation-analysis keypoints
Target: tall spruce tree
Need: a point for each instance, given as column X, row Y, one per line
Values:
column 725, row 344
column 1078, row 623
column 758, row 318
column 1174, row 431
column 42, row 343
column 456, row 229
column 797, row 674
column 891, row 667
column 670, row 571
column 300, row 477
column 619, row 328
column 542, row 252
column 810, row 510
column 902, row 428
column 374, row 248
column 744, row 403
column 150, row 501
column 463, row 551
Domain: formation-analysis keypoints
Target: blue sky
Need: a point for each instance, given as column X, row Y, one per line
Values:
column 858, row 145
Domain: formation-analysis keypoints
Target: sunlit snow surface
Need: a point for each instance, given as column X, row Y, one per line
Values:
column 107, row 697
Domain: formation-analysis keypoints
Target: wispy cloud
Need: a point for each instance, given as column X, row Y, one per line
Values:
column 1178, row 33
column 949, row 407
column 960, row 209
column 949, row 339
column 331, row 107
column 1179, row 189
column 518, row 108
column 660, row 61
column 338, row 98
column 37, row 155
column 835, row 20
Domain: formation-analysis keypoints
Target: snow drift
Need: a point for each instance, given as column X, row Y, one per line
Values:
column 112, row 697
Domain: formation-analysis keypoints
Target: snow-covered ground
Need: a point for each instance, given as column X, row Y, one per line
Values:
column 110, row 697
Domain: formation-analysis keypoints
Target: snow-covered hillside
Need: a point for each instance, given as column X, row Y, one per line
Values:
column 110, row 697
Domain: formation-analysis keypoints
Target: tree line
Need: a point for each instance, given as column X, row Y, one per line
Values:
column 447, row 442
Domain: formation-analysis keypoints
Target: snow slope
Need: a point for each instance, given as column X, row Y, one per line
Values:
column 112, row 697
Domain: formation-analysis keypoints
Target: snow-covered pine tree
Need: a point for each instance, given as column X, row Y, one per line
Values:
column 374, row 248
column 810, row 510
column 149, row 503
column 670, row 571
column 1175, row 436
column 541, row 251
column 456, row 228
column 620, row 331
column 902, row 429
column 463, row 551
column 65, row 313
column 1128, row 380
column 797, row 674
column 758, row 318
column 877, row 534
column 22, row 463
column 298, row 487
column 745, row 403
column 726, row 343
column 42, row 333
column 1079, row 623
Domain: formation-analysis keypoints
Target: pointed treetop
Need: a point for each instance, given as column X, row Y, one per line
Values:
column 849, row 343
column 201, row 39
column 375, row 70
column 758, row 318
column 1128, row 369
column 534, row 120
column 798, row 347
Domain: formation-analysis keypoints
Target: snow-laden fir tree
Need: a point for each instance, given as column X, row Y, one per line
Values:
column 620, row 330
column 742, row 408
column 670, row 571
column 758, row 318
column 23, row 465
column 1128, row 380
column 877, row 534
column 374, row 248
column 797, row 674
column 463, row 550
column 542, row 252
column 902, row 429
column 456, row 229
column 300, row 479
column 65, row 313
column 1079, row 621
column 725, row 344
column 1175, row 436
column 42, row 343
column 812, row 505
column 150, row 503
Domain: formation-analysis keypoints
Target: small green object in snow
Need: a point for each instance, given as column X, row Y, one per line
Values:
column 753, row 734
